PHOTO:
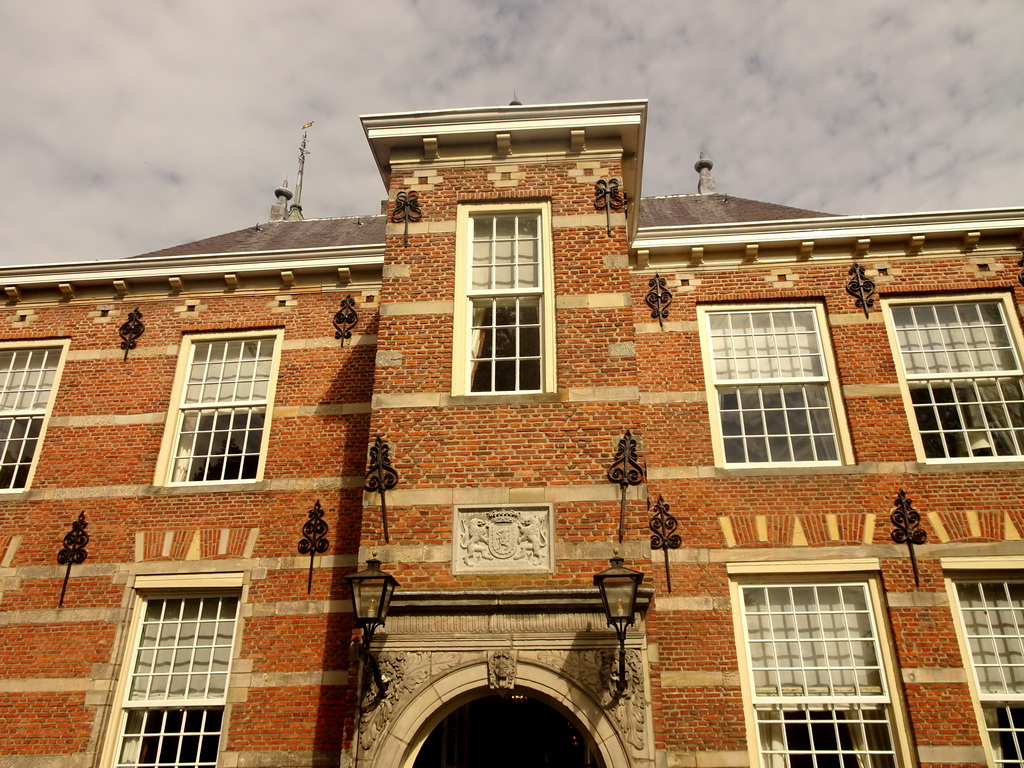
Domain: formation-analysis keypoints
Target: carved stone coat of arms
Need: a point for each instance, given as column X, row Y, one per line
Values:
column 502, row 539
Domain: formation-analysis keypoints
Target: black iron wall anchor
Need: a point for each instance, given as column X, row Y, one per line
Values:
column 345, row 319
column 73, row 551
column 906, row 528
column 314, row 539
column 861, row 288
column 130, row 331
column 658, row 298
column 407, row 208
column 625, row 470
column 663, row 535
column 608, row 198
column 381, row 477
column 1020, row 275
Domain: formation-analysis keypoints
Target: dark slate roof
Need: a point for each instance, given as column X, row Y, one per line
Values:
column 682, row 210
column 287, row 235
column 670, row 210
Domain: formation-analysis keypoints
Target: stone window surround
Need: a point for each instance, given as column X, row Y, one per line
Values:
column 165, row 461
column 462, row 314
column 975, row 568
column 62, row 346
column 1011, row 314
column 865, row 570
column 142, row 586
column 842, row 434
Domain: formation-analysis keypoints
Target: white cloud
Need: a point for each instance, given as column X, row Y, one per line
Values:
column 131, row 127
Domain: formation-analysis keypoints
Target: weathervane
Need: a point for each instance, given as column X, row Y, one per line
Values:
column 295, row 213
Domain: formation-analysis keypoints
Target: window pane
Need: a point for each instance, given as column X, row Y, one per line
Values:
column 181, row 653
column 212, row 444
column 967, row 337
column 505, row 345
column 814, row 661
column 851, row 736
column 769, row 344
column 969, row 417
column 752, row 412
column 182, row 738
column 811, row 630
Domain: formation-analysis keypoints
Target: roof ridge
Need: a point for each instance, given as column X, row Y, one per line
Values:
column 328, row 218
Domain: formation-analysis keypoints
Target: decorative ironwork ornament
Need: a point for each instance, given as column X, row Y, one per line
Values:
column 314, row 539
column 906, row 528
column 345, row 319
column 1020, row 275
column 407, row 208
column 625, row 470
column 658, row 298
column 663, row 535
column 381, row 477
column 861, row 288
column 608, row 198
column 73, row 551
column 130, row 331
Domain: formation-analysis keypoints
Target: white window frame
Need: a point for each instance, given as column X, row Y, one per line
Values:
column 997, row 571
column 829, row 380
column 169, row 443
column 170, row 586
column 61, row 347
column 1010, row 317
column 828, row 573
column 462, row 345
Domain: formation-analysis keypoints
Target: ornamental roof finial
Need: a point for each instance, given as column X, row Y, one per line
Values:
column 706, row 183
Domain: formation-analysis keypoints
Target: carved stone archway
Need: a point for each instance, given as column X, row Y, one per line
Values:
column 443, row 649
column 398, row 731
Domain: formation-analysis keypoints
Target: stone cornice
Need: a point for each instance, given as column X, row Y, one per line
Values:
column 540, row 132
column 835, row 237
column 280, row 270
column 505, row 601
column 625, row 120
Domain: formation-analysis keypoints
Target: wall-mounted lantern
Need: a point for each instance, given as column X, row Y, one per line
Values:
column 372, row 590
column 619, row 587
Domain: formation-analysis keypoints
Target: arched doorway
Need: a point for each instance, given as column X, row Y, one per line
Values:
column 510, row 731
column 392, row 735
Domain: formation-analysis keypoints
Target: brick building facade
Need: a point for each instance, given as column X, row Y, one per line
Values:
column 515, row 309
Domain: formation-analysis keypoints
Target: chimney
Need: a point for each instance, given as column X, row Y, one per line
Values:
column 280, row 208
column 706, row 183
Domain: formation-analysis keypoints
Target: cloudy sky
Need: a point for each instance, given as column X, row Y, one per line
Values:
column 131, row 126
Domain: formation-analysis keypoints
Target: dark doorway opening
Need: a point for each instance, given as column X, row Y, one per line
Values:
column 512, row 731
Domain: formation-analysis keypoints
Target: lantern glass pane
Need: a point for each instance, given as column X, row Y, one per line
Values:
column 619, row 596
column 368, row 598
